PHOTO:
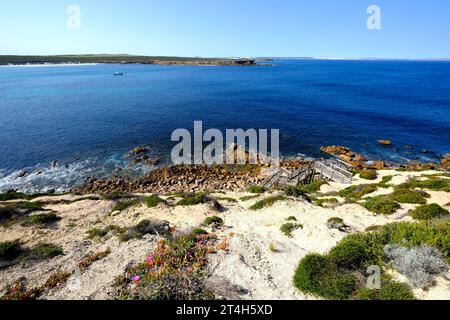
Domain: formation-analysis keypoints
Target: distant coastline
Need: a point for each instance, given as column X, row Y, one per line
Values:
column 10, row 60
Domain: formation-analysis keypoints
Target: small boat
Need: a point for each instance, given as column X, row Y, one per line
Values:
column 118, row 74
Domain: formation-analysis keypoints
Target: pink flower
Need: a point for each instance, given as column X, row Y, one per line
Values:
column 136, row 279
column 150, row 259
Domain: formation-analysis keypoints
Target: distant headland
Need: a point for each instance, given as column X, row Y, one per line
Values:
column 128, row 59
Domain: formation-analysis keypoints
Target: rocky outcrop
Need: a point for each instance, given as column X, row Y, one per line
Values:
column 138, row 151
column 445, row 162
column 357, row 160
column 385, row 142
column 178, row 179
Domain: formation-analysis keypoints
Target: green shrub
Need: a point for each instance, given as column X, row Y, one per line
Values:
column 433, row 233
column 321, row 201
column 381, row 205
column 227, row 199
column 356, row 251
column 152, row 201
column 384, row 181
column 96, row 233
column 335, row 220
column 429, row 211
column 214, row 219
column 291, row 218
column 144, row 227
column 41, row 219
column 295, row 192
column 10, row 250
column 267, row 202
column 389, row 290
column 247, row 198
column 122, row 205
column 368, row 175
column 194, row 199
column 311, row 187
column 408, row 196
column 317, row 276
column 13, row 196
column 430, row 184
column 199, row 232
column 358, row 191
column 256, row 189
column 45, row 251
column 290, row 227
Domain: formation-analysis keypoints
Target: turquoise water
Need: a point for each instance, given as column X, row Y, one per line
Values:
column 88, row 119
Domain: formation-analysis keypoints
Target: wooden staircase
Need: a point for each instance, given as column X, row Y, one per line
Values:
column 329, row 169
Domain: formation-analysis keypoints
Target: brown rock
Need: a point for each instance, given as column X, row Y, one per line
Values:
column 445, row 162
column 385, row 142
column 360, row 158
column 138, row 150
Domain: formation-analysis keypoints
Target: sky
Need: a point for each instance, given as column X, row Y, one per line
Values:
column 413, row 29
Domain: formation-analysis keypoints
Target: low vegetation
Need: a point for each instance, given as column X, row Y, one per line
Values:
column 368, row 175
column 432, row 183
column 323, row 201
column 12, row 252
column 154, row 227
column 42, row 220
column 122, row 205
column 381, row 205
column 409, row 196
column 256, row 189
column 419, row 264
column 267, row 202
column 19, row 291
column 90, row 259
column 213, row 220
column 13, row 212
column 247, row 198
column 429, row 211
column 311, row 187
column 340, row 274
column 152, row 201
column 193, row 199
column 356, row 192
column 290, row 227
column 173, row 271
column 384, row 181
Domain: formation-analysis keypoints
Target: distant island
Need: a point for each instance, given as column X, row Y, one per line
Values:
column 128, row 59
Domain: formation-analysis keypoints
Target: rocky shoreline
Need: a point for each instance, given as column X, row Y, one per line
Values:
column 191, row 178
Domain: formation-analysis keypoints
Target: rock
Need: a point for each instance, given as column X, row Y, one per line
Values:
column 385, row 142
column 445, row 162
column 22, row 174
column 153, row 161
column 360, row 158
column 335, row 149
column 138, row 150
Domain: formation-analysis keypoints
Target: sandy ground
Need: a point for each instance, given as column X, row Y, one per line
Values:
column 249, row 268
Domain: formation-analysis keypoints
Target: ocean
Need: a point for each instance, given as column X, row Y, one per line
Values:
column 87, row 119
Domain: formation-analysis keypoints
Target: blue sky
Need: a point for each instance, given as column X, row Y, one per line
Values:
column 281, row 28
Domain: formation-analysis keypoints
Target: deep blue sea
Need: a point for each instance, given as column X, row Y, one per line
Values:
column 88, row 119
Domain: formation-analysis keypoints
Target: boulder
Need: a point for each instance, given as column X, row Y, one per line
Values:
column 445, row 162
column 385, row 142
column 138, row 150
